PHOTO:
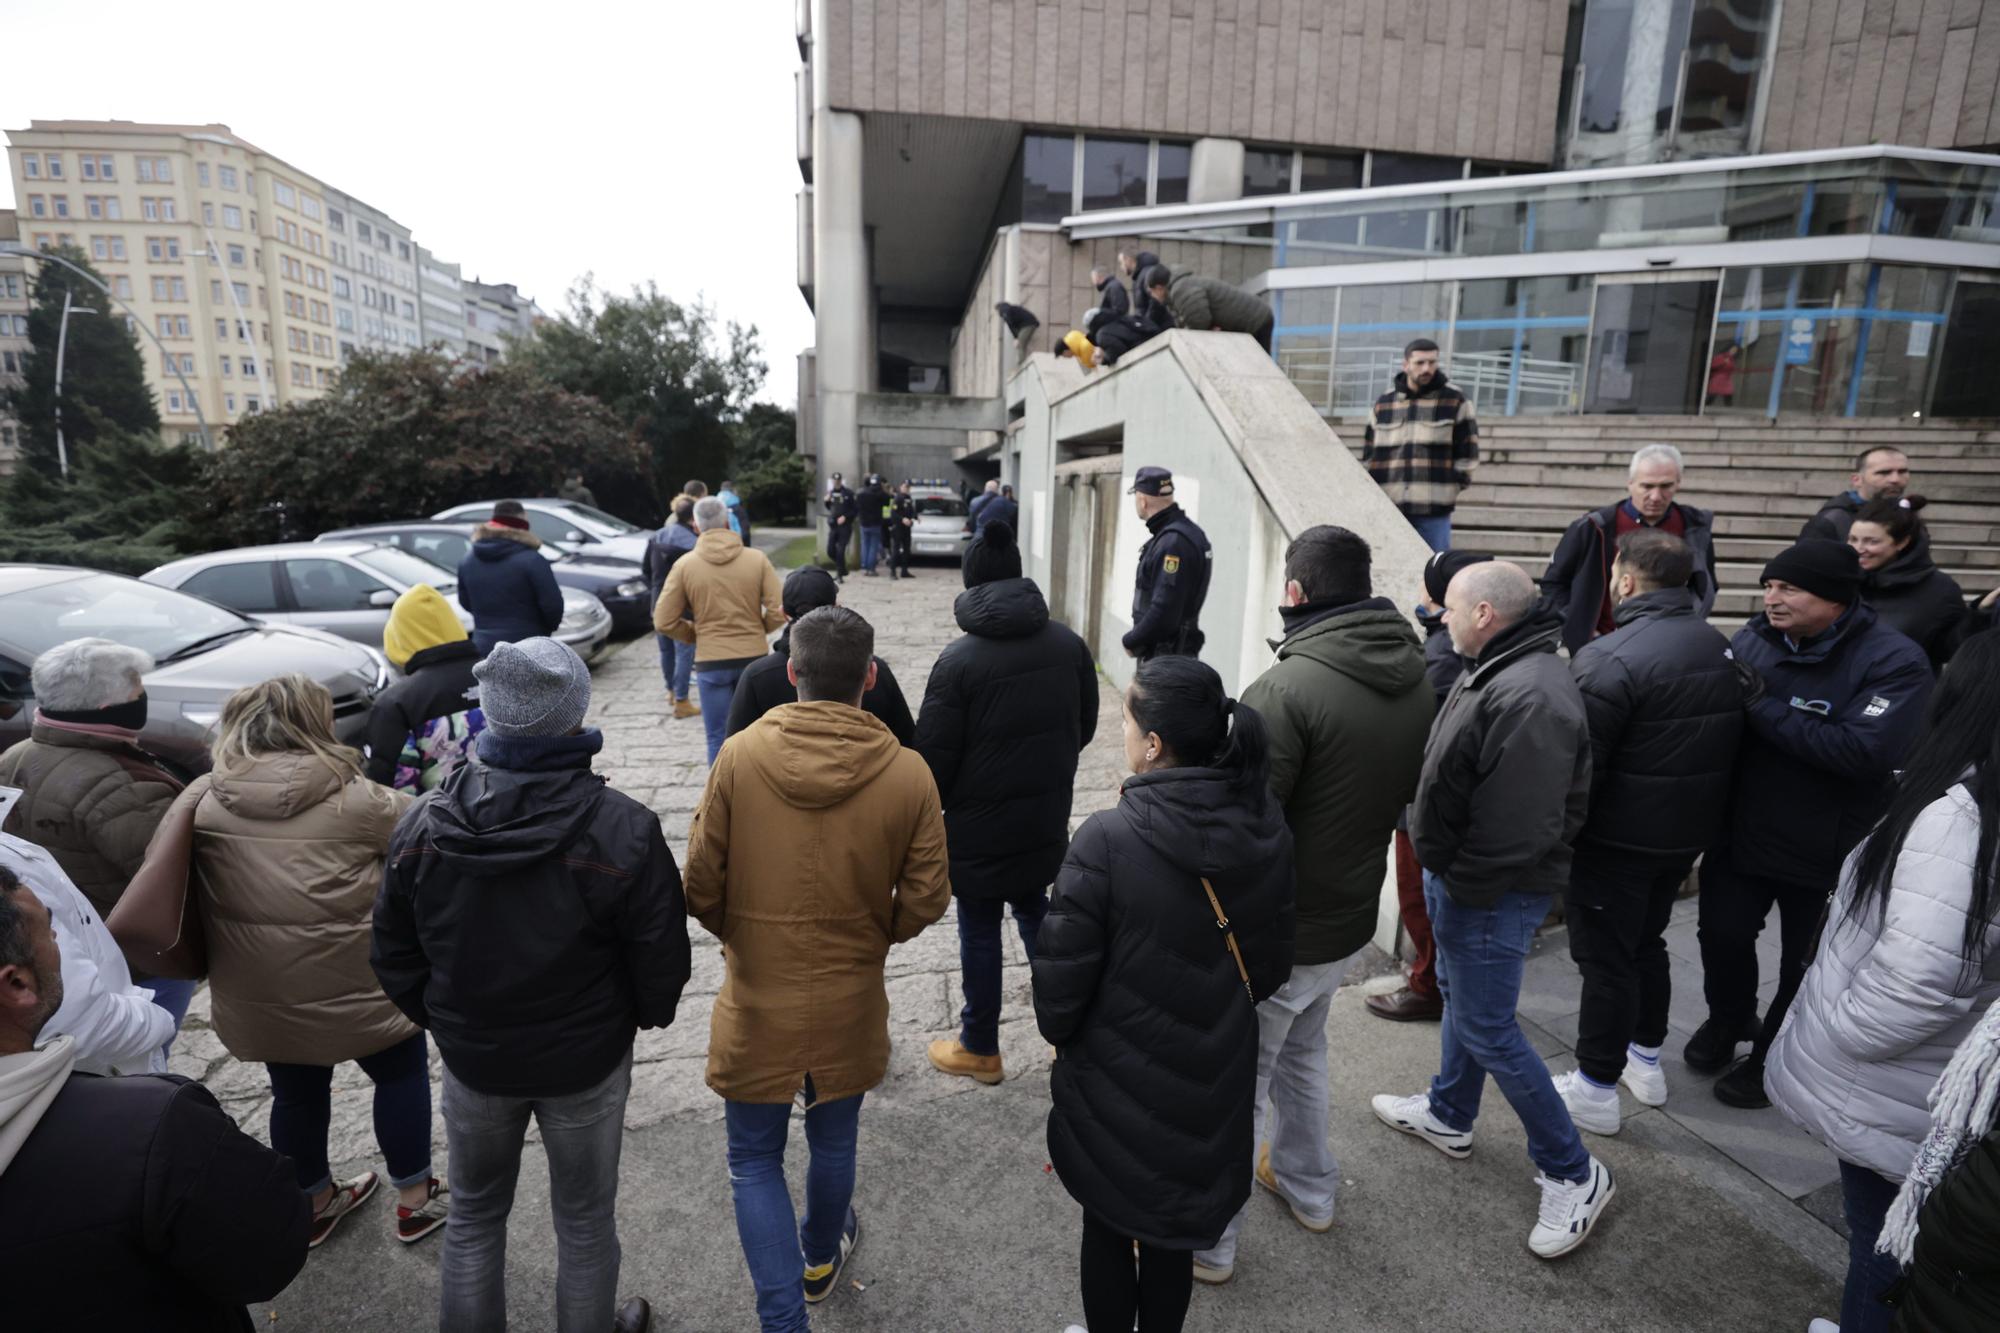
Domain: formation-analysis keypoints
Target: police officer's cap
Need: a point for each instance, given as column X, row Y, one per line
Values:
column 1153, row 481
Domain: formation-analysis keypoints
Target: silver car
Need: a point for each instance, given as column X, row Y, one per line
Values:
column 346, row 588
column 942, row 527
column 590, row 532
column 204, row 654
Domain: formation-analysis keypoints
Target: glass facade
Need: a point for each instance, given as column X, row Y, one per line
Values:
column 1114, row 173
column 1532, row 286
column 1658, row 80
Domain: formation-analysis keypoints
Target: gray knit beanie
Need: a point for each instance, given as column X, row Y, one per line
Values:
column 537, row 687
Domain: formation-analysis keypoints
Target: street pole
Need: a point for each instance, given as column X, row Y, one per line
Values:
column 62, row 352
column 16, row 249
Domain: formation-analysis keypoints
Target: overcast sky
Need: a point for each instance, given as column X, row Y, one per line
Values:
column 529, row 142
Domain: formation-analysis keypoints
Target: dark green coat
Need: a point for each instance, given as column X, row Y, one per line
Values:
column 1205, row 303
column 1348, row 708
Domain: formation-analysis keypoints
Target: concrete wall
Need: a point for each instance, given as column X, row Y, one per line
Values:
column 1359, row 73
column 1923, row 73
column 1253, row 463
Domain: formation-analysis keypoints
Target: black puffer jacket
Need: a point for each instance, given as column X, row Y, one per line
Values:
column 1954, row 1276
column 1005, row 712
column 1112, row 299
column 1143, row 304
column 1837, row 716
column 764, row 686
column 137, row 1203
column 1442, row 664
column 1151, row 1126
column 1506, row 776
column 1580, row 569
column 437, row 683
column 1834, row 518
column 531, row 918
column 1666, row 711
column 1912, row 595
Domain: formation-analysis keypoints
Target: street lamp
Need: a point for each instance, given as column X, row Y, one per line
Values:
column 62, row 351
column 15, row 248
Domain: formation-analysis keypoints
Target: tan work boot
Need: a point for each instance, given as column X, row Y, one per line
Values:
column 686, row 708
column 950, row 1057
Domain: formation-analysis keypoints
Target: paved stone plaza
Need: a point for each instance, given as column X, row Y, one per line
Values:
column 964, row 1227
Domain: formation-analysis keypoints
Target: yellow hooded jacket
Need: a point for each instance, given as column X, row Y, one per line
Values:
column 421, row 619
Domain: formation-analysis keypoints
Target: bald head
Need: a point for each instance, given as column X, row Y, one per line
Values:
column 1483, row 600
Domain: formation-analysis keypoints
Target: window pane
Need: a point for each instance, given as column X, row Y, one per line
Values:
column 1896, row 361
column 1518, row 346
column 1047, row 177
column 1267, row 171
column 1114, row 173
column 1726, row 48
column 1329, row 171
column 329, row 585
column 1966, row 385
column 1176, row 160
column 242, row 587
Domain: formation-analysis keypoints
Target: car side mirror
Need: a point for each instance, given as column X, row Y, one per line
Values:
column 574, row 536
column 382, row 597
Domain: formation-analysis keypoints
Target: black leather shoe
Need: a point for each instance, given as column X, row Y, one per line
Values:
column 634, row 1316
column 1707, row 1051
column 1743, row 1085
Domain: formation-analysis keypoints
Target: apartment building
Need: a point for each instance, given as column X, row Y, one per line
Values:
column 252, row 280
column 1657, row 207
column 496, row 311
column 441, row 316
column 13, row 335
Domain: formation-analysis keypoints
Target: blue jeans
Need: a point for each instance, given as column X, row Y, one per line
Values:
column 583, row 1134
column 979, row 960
column 1480, row 956
column 174, row 997
column 777, row 1248
column 718, row 691
column 1435, row 529
column 871, row 548
column 302, row 1112
column 676, row 664
column 1865, row 1198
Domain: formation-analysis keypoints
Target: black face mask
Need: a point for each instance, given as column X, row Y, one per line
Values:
column 130, row 715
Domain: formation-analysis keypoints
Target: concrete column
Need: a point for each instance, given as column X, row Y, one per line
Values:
column 845, row 348
column 1215, row 171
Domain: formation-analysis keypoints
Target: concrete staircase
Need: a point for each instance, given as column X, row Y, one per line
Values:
column 1763, row 479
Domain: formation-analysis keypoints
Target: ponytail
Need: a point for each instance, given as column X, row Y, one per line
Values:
column 1182, row 700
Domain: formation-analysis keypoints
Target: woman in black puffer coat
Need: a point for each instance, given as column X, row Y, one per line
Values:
column 1155, row 1026
column 1900, row 580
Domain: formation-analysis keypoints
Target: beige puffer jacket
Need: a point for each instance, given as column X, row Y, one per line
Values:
column 289, row 853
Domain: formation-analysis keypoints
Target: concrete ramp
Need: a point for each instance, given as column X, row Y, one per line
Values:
column 1254, row 463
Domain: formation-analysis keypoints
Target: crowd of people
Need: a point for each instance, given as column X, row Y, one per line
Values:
column 466, row 880
column 1138, row 301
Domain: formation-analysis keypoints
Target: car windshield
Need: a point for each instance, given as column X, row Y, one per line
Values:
column 598, row 523
column 139, row 615
column 942, row 506
column 405, row 570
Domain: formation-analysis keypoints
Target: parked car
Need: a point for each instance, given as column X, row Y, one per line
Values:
column 345, row 588
column 943, row 526
column 204, row 653
column 620, row 586
column 589, row 531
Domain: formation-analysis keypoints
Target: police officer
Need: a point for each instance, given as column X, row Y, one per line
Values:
column 1173, row 573
column 902, row 526
column 840, row 509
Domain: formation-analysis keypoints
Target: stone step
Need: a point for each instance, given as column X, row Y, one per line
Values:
column 1812, row 483
column 1506, row 517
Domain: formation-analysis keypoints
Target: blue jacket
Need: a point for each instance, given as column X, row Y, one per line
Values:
column 1000, row 509
column 509, row 588
column 1837, row 717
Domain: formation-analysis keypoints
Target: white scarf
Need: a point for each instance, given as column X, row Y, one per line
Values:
column 1964, row 1106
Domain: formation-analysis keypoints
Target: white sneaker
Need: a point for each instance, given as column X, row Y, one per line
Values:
column 1589, row 1109
column 1570, row 1211
column 1412, row 1115
column 1822, row 1326
column 1213, row 1274
column 1648, row 1082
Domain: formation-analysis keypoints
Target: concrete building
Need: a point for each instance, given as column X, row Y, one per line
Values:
column 1672, row 208
column 496, row 311
column 14, row 287
column 441, row 317
column 381, row 270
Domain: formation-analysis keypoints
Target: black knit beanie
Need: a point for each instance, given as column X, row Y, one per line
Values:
column 1441, row 568
column 1823, row 567
column 992, row 556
